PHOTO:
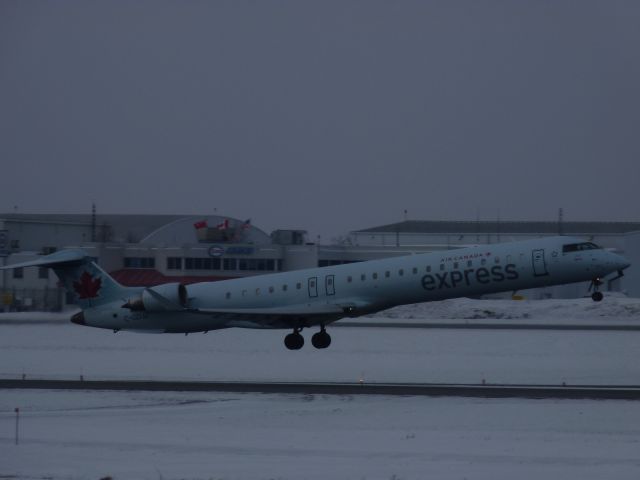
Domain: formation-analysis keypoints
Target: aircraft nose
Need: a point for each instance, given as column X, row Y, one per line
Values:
column 621, row 262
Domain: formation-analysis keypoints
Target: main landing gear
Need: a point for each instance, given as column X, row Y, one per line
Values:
column 295, row 341
column 596, row 296
column 321, row 339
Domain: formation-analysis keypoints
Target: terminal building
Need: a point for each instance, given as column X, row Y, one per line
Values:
column 147, row 250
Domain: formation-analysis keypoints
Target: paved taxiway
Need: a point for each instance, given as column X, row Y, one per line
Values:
column 595, row 392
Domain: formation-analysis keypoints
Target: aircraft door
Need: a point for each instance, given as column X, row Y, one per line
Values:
column 329, row 285
column 313, row 287
column 539, row 264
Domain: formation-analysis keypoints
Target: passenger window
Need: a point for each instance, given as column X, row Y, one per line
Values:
column 244, row 293
column 401, row 272
column 375, row 276
column 428, row 268
column 284, row 288
column 442, row 266
column 228, row 295
column 387, row 274
column 363, row 277
column 455, row 265
column 349, row 279
column 496, row 260
column 298, row 286
column 257, row 291
column 483, row 261
column 271, row 289
column 415, row 270
column 470, row 263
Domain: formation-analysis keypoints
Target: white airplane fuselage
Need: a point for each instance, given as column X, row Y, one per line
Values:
column 320, row 296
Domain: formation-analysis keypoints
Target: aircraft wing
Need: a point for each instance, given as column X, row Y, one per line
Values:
column 277, row 317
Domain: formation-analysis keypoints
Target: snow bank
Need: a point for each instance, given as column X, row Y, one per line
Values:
column 613, row 307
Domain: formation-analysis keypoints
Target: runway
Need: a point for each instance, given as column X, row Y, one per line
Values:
column 593, row 392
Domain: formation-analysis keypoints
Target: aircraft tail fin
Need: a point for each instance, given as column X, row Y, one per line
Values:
column 81, row 276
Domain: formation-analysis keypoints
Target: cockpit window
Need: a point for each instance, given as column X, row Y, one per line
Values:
column 577, row 247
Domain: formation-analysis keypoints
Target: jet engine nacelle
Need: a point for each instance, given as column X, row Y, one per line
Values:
column 162, row 298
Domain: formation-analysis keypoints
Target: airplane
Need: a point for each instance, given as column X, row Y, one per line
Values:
column 320, row 296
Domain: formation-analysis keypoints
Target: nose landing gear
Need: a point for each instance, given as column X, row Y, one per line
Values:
column 596, row 296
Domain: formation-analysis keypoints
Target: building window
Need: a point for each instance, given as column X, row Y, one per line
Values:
column 18, row 272
column 43, row 272
column 139, row 262
column 230, row 264
column 202, row 263
column 174, row 263
column 260, row 264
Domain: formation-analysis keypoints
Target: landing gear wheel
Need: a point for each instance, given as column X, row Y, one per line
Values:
column 596, row 295
column 321, row 339
column 294, row 341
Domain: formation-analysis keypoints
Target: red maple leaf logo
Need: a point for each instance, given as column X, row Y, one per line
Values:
column 87, row 287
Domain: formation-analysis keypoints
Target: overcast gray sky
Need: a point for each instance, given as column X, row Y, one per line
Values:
column 325, row 115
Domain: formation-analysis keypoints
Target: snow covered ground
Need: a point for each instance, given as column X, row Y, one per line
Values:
column 147, row 435
column 76, row 435
column 613, row 310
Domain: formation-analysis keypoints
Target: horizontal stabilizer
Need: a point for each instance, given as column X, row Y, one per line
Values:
column 54, row 259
